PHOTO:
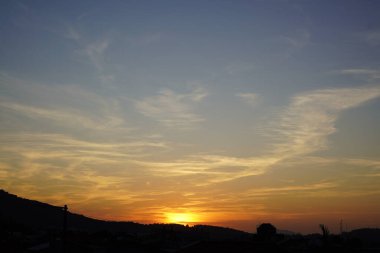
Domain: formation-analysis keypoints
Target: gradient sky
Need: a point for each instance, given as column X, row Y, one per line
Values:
column 227, row 113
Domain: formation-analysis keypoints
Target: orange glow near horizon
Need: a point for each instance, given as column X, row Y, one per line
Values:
column 184, row 218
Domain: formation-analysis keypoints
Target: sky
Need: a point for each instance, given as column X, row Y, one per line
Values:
column 228, row 113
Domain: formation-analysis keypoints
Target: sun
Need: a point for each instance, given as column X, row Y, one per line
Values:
column 181, row 218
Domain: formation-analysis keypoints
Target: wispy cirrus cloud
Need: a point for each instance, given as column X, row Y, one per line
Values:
column 214, row 168
column 364, row 162
column 298, row 40
column 370, row 74
column 173, row 109
column 236, row 68
column 71, row 166
column 371, row 37
column 249, row 98
column 306, row 123
column 67, row 105
column 72, row 34
column 302, row 128
column 91, row 50
column 284, row 190
column 114, row 165
column 66, row 117
column 146, row 38
column 70, row 140
column 95, row 52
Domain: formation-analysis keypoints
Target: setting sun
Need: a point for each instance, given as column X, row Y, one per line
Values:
column 181, row 218
column 215, row 113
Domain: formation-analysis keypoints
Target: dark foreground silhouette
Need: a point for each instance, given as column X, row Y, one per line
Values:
column 31, row 226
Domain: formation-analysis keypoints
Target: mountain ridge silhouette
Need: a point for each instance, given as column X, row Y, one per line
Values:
column 29, row 225
column 42, row 216
column 38, row 214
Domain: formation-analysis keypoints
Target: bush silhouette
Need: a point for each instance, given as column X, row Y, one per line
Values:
column 266, row 231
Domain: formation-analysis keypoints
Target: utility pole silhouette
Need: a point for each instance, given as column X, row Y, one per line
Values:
column 64, row 229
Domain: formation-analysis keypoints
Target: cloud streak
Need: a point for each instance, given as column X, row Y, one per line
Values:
column 249, row 98
column 372, row 37
column 306, row 123
column 370, row 74
column 172, row 109
column 298, row 40
column 95, row 52
column 302, row 129
column 123, row 163
column 67, row 106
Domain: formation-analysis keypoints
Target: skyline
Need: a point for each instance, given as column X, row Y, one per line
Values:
column 222, row 113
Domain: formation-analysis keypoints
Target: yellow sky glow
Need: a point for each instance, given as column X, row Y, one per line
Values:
column 184, row 218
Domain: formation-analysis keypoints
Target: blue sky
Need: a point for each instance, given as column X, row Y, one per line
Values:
column 205, row 107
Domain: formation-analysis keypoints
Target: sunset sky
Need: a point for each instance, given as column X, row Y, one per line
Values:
column 228, row 113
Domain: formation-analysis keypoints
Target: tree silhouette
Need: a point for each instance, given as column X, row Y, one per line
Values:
column 266, row 231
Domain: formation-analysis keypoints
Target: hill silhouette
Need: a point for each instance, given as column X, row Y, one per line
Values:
column 45, row 216
column 41, row 215
column 32, row 226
